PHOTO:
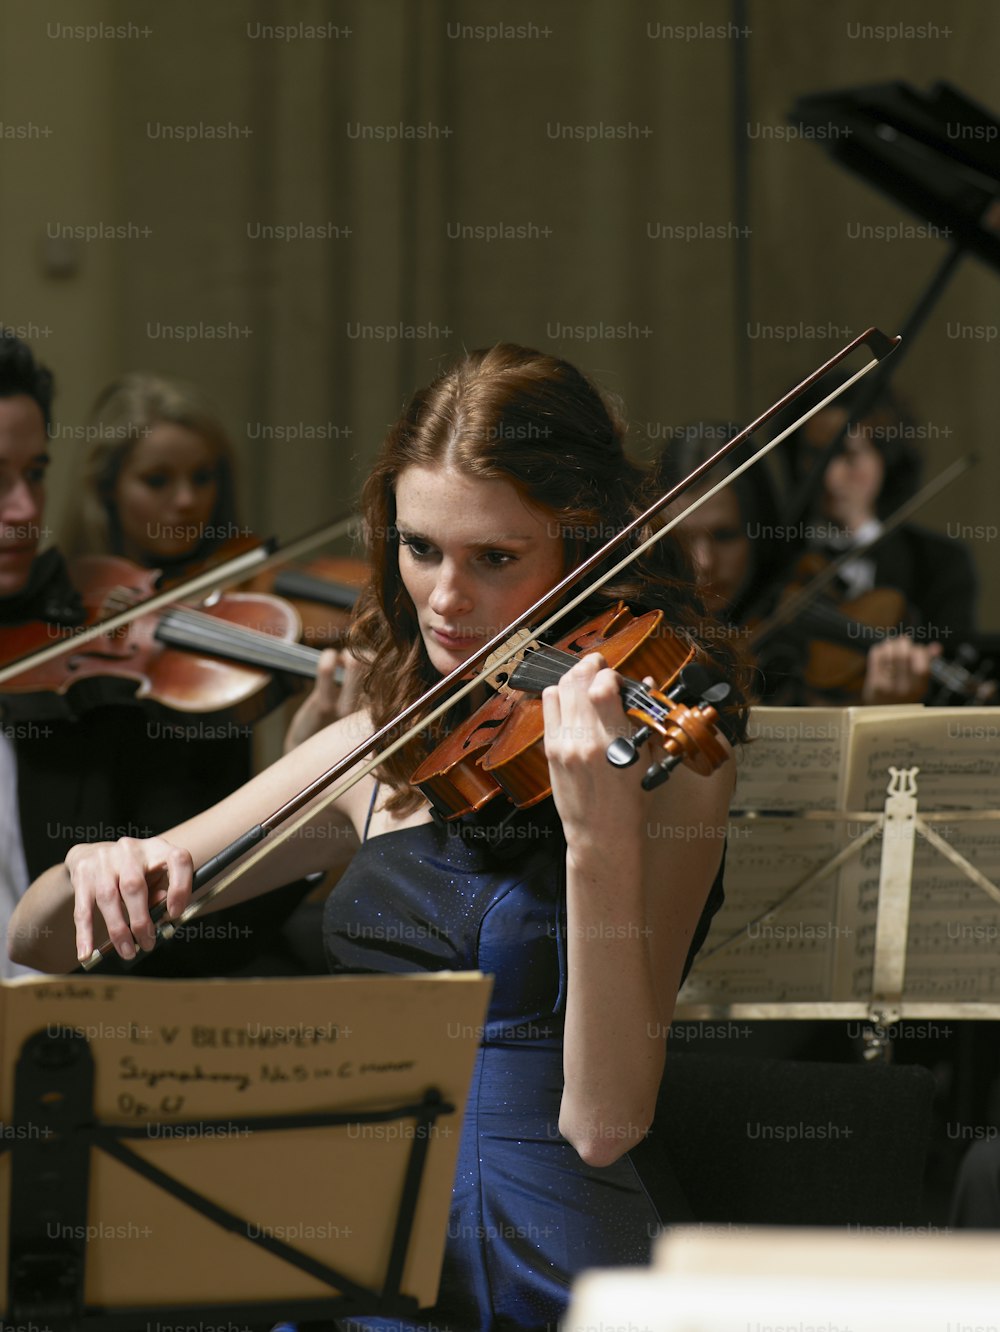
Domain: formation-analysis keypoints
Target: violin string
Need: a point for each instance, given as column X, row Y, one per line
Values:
column 195, row 629
column 199, row 628
column 551, row 664
column 544, row 666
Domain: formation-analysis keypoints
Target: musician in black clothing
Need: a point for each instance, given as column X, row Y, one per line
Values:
column 747, row 553
column 874, row 470
column 63, row 779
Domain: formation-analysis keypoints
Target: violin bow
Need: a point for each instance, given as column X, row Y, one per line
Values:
column 297, row 812
column 263, row 557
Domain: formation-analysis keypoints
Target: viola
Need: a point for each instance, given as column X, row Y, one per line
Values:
column 223, row 657
column 499, row 749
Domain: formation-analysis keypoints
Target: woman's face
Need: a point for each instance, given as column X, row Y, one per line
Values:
column 166, row 493
column 853, row 479
column 24, row 459
column 720, row 548
column 472, row 555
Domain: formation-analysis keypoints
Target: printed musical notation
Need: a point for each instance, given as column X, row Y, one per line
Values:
column 792, row 761
column 773, row 944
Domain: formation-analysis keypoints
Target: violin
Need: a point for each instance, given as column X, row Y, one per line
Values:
column 499, row 749
column 220, row 657
column 830, row 639
column 323, row 591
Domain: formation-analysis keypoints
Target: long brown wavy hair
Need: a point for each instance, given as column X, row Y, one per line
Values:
column 509, row 413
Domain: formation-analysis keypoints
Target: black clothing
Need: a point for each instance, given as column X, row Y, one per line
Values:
column 937, row 580
column 48, row 595
column 936, row 575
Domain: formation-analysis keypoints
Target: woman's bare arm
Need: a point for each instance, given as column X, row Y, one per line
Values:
column 104, row 890
column 639, row 868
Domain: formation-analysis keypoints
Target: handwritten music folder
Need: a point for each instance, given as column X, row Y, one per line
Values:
column 816, row 949
column 173, row 1053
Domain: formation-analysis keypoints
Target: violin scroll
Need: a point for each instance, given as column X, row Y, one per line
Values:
column 685, row 719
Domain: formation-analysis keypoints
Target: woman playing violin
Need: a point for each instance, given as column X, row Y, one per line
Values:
column 159, row 489
column 498, row 477
column 874, row 470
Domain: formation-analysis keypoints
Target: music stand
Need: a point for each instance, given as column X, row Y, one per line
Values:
column 114, row 1119
column 824, row 936
column 938, row 155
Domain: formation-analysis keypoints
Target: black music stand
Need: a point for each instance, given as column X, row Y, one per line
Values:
column 938, row 155
column 49, row 1190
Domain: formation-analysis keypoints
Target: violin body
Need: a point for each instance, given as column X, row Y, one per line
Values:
column 132, row 664
column 323, row 591
column 824, row 648
column 832, row 636
column 500, row 748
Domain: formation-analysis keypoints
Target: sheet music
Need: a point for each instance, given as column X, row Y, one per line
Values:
column 793, row 760
column 819, row 945
column 787, row 954
column 954, row 926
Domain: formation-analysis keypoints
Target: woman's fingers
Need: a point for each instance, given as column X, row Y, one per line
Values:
column 350, row 689
column 582, row 715
column 120, row 880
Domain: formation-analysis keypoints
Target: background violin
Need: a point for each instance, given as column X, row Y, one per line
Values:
column 322, row 590
column 223, row 657
column 824, row 639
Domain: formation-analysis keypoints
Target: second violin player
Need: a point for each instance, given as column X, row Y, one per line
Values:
column 875, row 469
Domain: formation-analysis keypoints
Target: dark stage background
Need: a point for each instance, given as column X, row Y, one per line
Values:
column 309, row 208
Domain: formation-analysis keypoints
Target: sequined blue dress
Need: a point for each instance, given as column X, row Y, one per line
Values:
column 527, row 1213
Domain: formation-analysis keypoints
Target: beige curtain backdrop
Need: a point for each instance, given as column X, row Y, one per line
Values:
column 309, row 208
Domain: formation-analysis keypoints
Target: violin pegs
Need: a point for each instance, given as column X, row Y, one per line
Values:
column 623, row 751
column 718, row 693
column 658, row 773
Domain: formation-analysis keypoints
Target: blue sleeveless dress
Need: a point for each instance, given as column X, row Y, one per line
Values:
column 527, row 1213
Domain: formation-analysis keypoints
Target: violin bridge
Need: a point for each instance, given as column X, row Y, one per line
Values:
column 497, row 676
